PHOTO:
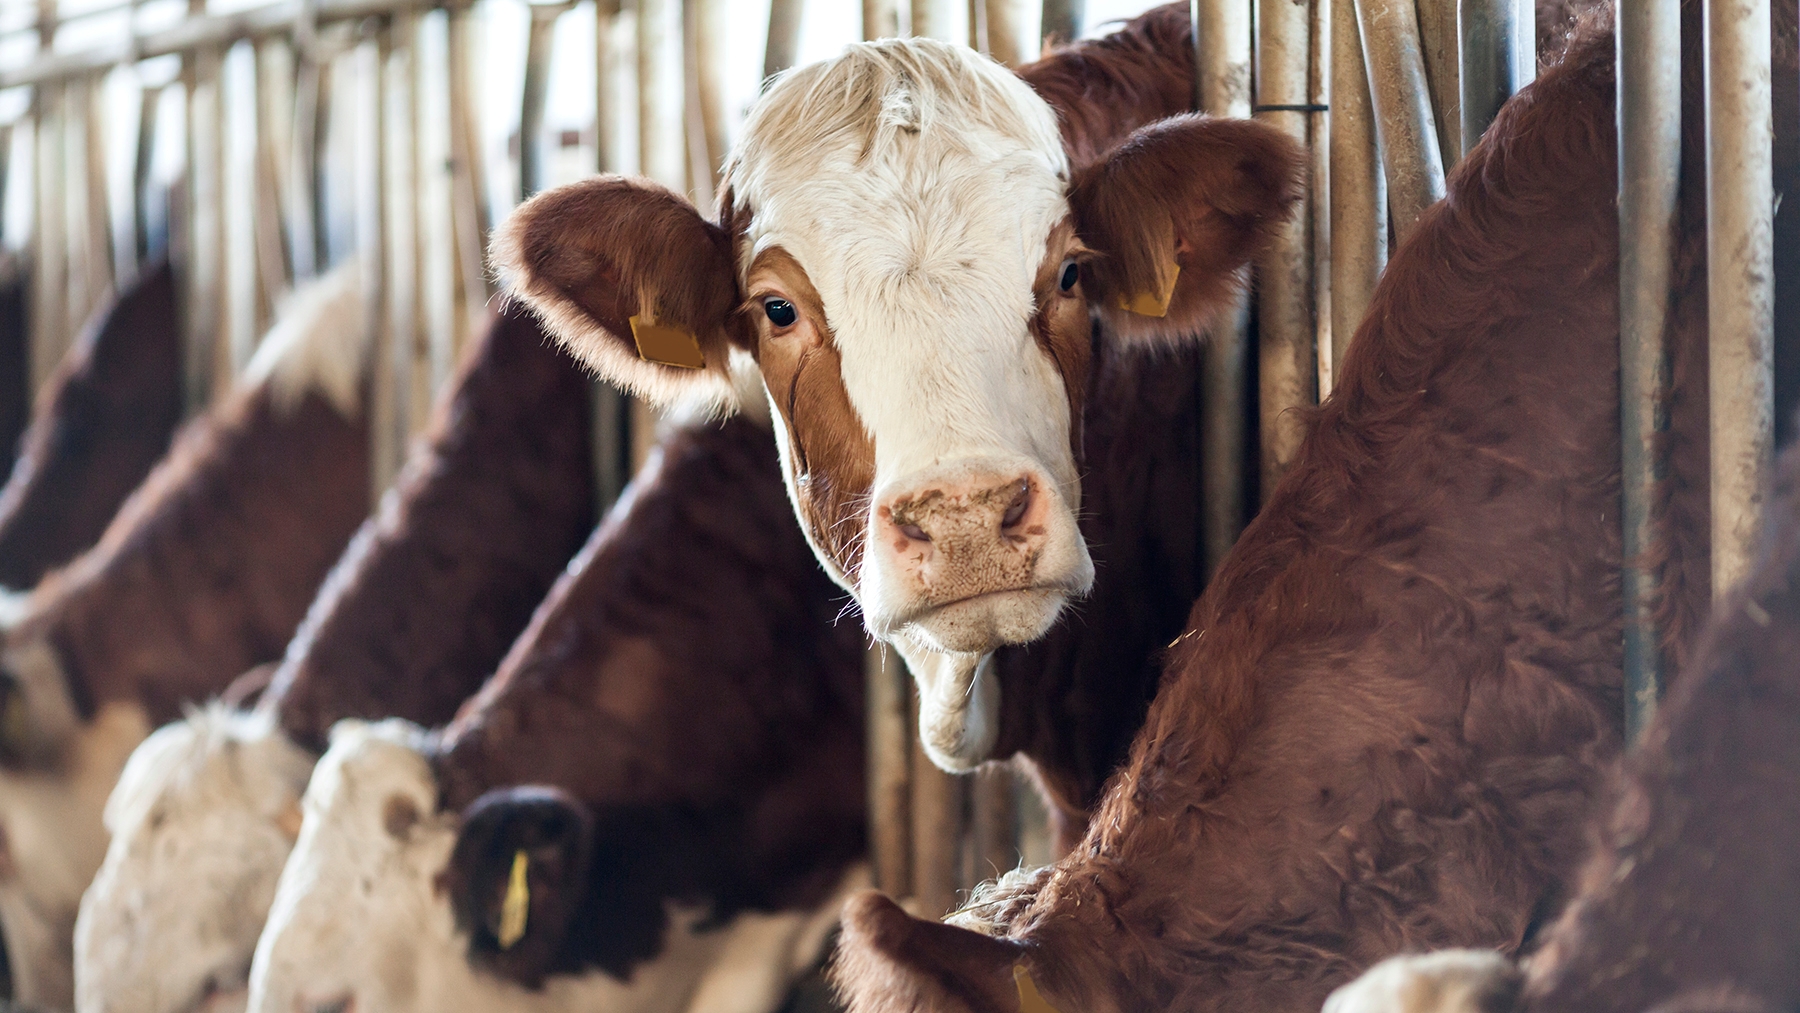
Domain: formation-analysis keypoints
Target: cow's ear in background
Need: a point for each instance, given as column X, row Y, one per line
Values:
column 887, row 961
column 517, row 877
column 630, row 278
column 1175, row 211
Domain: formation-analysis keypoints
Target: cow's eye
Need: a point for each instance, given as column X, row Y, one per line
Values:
column 781, row 313
column 1071, row 273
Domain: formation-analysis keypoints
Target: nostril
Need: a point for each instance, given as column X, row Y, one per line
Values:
column 1021, row 501
column 341, row 1004
column 914, row 532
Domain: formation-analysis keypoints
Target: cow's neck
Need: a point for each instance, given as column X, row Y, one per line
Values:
column 210, row 565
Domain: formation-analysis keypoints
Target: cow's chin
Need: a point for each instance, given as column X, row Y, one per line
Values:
column 986, row 622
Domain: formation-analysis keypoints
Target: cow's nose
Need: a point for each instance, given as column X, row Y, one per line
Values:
column 344, row 1003
column 940, row 529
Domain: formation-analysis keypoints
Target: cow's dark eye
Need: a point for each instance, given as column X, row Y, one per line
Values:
column 1071, row 273
column 781, row 312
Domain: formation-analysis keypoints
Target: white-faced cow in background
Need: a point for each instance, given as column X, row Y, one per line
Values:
column 910, row 258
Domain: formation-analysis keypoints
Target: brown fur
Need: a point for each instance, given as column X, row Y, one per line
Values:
column 1694, row 896
column 436, row 586
column 1396, row 699
column 686, row 685
column 102, row 422
column 210, row 564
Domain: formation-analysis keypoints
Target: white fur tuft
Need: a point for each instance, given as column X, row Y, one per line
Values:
column 320, row 342
column 1447, row 981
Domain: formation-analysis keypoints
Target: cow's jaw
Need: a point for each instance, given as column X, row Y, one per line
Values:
column 912, row 211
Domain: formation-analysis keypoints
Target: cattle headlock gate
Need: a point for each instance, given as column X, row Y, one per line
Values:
column 261, row 140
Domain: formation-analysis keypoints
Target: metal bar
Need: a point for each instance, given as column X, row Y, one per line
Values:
column 1223, row 69
column 50, row 262
column 889, row 735
column 539, row 38
column 662, row 148
column 931, row 20
column 388, row 425
column 938, row 828
column 1409, row 142
column 468, row 189
column 1064, row 19
column 309, row 94
column 149, row 105
column 610, row 408
column 880, row 19
column 1649, row 55
column 208, row 358
column 994, row 819
column 1286, row 366
column 1358, row 190
column 273, row 72
column 704, row 101
column 784, row 35
column 1009, row 36
column 95, row 209
column 1438, row 34
column 1318, row 90
column 1740, row 286
column 1488, row 36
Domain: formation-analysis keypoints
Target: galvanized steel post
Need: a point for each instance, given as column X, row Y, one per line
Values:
column 1409, row 142
column 1437, row 38
column 1488, row 35
column 1358, row 190
column 784, row 35
column 1063, row 19
column 1649, row 75
column 1740, row 277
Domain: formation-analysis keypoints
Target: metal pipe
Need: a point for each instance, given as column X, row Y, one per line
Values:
column 662, row 144
column 1010, row 38
column 1488, row 37
column 994, row 821
column 1223, row 71
column 468, row 183
column 1286, row 367
column 539, row 39
column 785, row 17
column 1358, row 190
column 1649, row 75
column 1411, row 161
column 931, row 19
column 1063, row 20
column 1438, row 37
column 703, row 22
column 1740, row 287
column 49, row 254
column 610, row 408
column 938, row 828
column 149, row 104
column 889, row 737
column 880, row 19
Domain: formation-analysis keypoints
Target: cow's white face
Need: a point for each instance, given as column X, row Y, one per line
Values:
column 51, row 834
column 361, row 923
column 907, row 261
column 201, row 822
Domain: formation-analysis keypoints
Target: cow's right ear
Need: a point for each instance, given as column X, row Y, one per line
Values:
column 517, row 877
column 632, row 280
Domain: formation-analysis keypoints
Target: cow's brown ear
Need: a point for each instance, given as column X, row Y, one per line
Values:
column 887, row 961
column 1175, row 212
column 632, row 280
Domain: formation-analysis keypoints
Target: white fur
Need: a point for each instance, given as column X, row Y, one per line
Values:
column 320, row 342
column 357, row 913
column 201, row 822
column 917, row 184
column 959, row 705
column 54, row 841
column 1448, row 981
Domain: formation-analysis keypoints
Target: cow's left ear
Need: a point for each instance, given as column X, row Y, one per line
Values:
column 887, row 961
column 632, row 280
column 1175, row 211
column 517, row 878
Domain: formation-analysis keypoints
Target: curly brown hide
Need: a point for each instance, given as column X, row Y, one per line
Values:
column 102, row 422
column 482, row 520
column 690, row 685
column 1395, row 701
column 209, row 566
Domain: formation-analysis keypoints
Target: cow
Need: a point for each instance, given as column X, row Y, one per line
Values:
column 1400, row 694
column 204, row 573
column 418, row 611
column 1692, row 898
column 674, row 743
column 916, row 257
column 102, row 422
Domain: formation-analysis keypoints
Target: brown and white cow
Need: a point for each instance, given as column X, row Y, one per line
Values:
column 102, row 422
column 674, row 744
column 1692, row 900
column 431, row 592
column 907, row 269
column 204, row 573
column 1398, row 698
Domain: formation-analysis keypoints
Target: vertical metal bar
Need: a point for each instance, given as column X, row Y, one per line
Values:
column 149, row 105
column 1064, row 19
column 932, row 19
column 1010, row 36
column 468, row 185
column 611, row 409
column 92, row 267
column 209, row 364
column 938, row 829
column 538, row 41
column 1358, row 190
column 309, row 108
column 784, row 35
column 1222, row 41
column 661, row 138
column 978, row 26
column 1409, row 142
column 1488, row 35
column 704, row 101
column 271, row 241
column 387, row 422
column 889, row 734
column 994, row 819
column 606, row 97
column 411, row 360
column 1286, row 367
column 880, row 19
column 1438, row 34
column 1649, row 69
column 1740, row 276
column 49, row 276
column 1318, row 91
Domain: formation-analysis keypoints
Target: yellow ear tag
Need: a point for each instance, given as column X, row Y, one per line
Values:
column 1153, row 304
column 670, row 346
column 1030, row 999
column 517, row 905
